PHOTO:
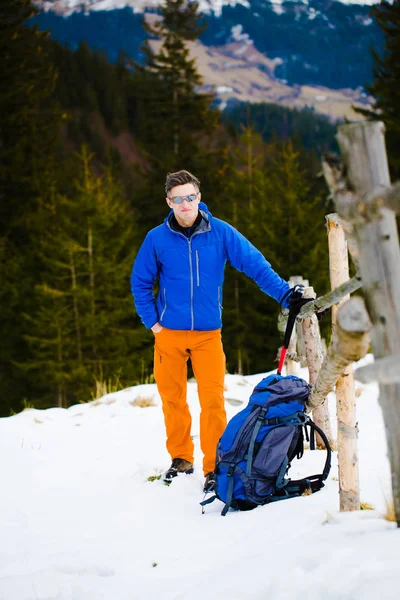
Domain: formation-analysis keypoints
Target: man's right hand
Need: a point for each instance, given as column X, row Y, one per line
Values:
column 157, row 328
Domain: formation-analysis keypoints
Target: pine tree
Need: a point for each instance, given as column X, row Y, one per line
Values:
column 250, row 317
column 295, row 234
column 85, row 327
column 187, row 112
column 174, row 118
column 385, row 87
column 269, row 194
column 29, row 128
column 29, row 121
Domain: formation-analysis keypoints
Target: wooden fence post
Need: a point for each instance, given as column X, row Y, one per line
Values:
column 292, row 366
column 349, row 492
column 366, row 200
column 315, row 356
column 301, row 351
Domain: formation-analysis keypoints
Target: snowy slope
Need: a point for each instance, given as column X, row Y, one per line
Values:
column 80, row 521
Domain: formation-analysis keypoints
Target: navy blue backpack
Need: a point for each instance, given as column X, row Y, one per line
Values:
column 259, row 443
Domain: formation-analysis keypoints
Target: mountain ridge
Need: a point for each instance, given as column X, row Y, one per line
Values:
column 315, row 54
column 206, row 6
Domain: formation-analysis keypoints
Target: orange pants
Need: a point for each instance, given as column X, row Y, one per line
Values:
column 171, row 351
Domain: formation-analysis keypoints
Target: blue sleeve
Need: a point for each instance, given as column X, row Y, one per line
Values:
column 144, row 275
column 245, row 257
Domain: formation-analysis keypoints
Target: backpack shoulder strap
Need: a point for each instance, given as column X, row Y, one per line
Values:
column 328, row 461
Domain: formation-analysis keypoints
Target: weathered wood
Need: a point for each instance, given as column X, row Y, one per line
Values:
column 292, row 366
column 388, row 197
column 350, row 343
column 364, row 155
column 354, row 209
column 314, row 355
column 349, row 492
column 334, row 174
column 357, row 207
column 383, row 370
column 323, row 302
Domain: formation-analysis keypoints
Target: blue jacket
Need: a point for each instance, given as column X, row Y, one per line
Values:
column 191, row 273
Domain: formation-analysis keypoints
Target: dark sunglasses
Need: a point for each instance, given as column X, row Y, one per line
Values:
column 180, row 199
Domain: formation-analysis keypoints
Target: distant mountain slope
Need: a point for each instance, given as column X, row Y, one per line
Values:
column 323, row 42
column 315, row 54
column 66, row 7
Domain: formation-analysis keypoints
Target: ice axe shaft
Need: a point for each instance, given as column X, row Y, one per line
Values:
column 286, row 340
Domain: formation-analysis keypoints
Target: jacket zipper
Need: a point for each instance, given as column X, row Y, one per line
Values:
column 197, row 268
column 219, row 301
column 165, row 305
column 189, row 241
column 191, row 283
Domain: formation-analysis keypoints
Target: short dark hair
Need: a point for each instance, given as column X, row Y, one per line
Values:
column 180, row 178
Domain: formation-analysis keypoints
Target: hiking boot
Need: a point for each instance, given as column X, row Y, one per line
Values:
column 209, row 483
column 178, row 465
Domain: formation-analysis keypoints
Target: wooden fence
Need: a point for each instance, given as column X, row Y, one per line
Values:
column 365, row 222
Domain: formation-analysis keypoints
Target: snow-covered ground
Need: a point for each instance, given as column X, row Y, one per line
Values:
column 80, row 521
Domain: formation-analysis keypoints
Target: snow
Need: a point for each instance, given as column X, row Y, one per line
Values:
column 238, row 35
column 277, row 7
column 69, row 6
column 80, row 521
column 223, row 89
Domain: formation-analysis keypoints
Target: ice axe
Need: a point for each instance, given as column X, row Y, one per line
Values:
column 296, row 301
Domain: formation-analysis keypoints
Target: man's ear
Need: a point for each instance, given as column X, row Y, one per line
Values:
column 199, row 196
column 168, row 201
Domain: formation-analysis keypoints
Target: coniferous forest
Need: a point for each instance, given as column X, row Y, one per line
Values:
column 85, row 145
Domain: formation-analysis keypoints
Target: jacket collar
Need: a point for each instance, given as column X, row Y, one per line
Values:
column 205, row 224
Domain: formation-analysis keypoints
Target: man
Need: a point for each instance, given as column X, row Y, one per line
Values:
column 188, row 253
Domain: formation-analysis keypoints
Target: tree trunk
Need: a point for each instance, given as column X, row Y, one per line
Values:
column 91, row 284
column 293, row 353
column 349, row 492
column 60, row 391
column 292, row 367
column 76, row 309
column 314, row 355
column 249, row 141
column 175, row 123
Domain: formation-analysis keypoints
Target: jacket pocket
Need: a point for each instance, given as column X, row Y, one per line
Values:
column 165, row 305
column 220, row 301
column 197, row 268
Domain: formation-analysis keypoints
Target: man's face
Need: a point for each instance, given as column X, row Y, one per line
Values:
column 187, row 211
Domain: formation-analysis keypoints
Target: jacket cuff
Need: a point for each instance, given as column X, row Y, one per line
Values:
column 148, row 322
column 286, row 297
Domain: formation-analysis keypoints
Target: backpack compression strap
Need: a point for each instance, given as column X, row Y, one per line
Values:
column 313, row 482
